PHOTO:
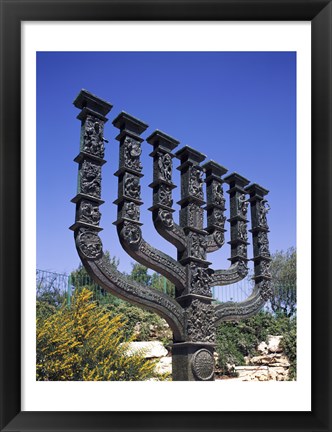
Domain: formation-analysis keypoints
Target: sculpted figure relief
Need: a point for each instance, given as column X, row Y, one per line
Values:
column 166, row 217
column 132, row 154
column 243, row 205
column 91, row 179
column 165, row 166
column 132, row 187
column 198, row 246
column 264, row 208
column 131, row 233
column 196, row 182
column 219, row 218
column 200, row 322
column 219, row 237
column 200, row 280
column 263, row 244
column 165, row 195
column 218, row 193
column 131, row 211
column 89, row 213
column 242, row 231
column 242, row 250
column 265, row 289
column 265, row 268
column 90, row 244
column 93, row 138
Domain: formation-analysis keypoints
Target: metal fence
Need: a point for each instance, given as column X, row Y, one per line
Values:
column 237, row 292
column 61, row 287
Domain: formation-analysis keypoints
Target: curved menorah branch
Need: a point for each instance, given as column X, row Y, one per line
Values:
column 262, row 290
column 239, row 238
column 235, row 273
column 162, row 185
column 88, row 201
column 89, row 248
column 168, row 229
column 232, row 311
column 215, row 205
column 131, row 240
column 129, row 202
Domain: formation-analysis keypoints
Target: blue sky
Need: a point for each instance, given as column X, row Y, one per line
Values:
column 237, row 108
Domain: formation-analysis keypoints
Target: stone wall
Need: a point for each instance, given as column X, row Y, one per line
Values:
column 269, row 365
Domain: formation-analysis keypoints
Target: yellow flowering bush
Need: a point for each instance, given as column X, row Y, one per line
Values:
column 86, row 343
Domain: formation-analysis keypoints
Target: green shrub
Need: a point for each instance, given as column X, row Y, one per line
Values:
column 288, row 343
column 86, row 343
column 139, row 319
column 44, row 309
column 235, row 340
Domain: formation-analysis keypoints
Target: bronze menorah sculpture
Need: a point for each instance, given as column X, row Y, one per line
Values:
column 192, row 314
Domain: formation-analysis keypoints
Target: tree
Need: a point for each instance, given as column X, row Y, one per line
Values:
column 139, row 273
column 160, row 283
column 86, row 343
column 283, row 272
column 80, row 278
column 51, row 288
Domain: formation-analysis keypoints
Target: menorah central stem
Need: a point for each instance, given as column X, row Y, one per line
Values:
column 194, row 359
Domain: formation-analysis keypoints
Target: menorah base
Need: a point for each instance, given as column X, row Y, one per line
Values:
column 193, row 361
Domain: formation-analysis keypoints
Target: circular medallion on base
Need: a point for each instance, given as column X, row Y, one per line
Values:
column 202, row 364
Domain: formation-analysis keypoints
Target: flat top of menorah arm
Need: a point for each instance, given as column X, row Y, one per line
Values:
column 236, row 179
column 213, row 167
column 189, row 153
column 256, row 189
column 127, row 121
column 89, row 100
column 159, row 137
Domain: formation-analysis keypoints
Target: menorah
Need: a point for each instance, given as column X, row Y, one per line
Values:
column 193, row 314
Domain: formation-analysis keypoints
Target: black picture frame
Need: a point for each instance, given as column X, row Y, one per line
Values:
column 319, row 12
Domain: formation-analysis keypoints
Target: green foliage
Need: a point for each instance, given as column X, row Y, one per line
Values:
column 288, row 343
column 235, row 340
column 80, row 279
column 49, row 291
column 160, row 283
column 44, row 309
column 283, row 272
column 139, row 273
column 139, row 322
column 86, row 343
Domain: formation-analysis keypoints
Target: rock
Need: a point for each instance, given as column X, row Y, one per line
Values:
column 281, row 361
column 261, row 360
column 153, row 349
column 273, row 344
column 164, row 365
column 252, row 373
column 230, row 367
column 137, row 329
column 272, row 364
column 278, row 373
column 270, row 359
column 263, row 377
column 262, row 347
